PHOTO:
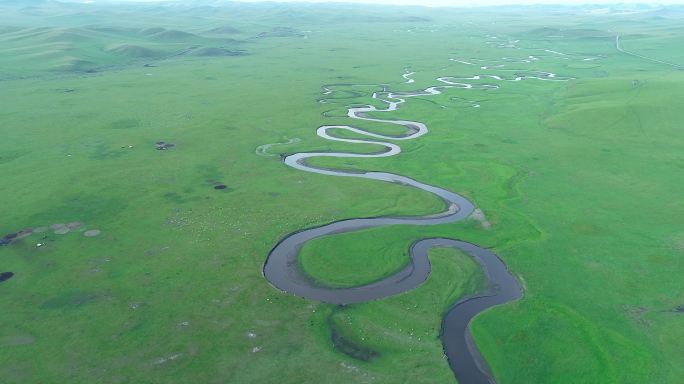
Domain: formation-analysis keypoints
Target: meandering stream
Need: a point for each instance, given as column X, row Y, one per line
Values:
column 281, row 267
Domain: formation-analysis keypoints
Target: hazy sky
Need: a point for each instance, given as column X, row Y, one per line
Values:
column 437, row 3
column 479, row 2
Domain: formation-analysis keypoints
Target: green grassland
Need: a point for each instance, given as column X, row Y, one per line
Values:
column 580, row 180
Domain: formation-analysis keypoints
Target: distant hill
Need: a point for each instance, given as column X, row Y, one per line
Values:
column 213, row 52
column 134, row 51
column 225, row 30
column 281, row 32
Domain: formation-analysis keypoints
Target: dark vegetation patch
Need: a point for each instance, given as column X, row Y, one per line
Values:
column 162, row 146
column 105, row 151
column 151, row 31
column 4, row 276
column 133, row 51
column 74, row 64
column 225, row 30
column 164, row 34
column 173, row 35
column 10, row 237
column 281, row 32
column 215, row 52
column 219, row 185
column 346, row 345
column 85, row 207
column 125, row 124
column 24, row 233
column 14, row 340
column 67, row 299
column 210, row 172
column 351, row 349
column 7, row 156
column 178, row 198
column 65, row 35
column 114, row 30
column 331, row 113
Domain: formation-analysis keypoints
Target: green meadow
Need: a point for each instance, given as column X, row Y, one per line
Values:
column 580, row 182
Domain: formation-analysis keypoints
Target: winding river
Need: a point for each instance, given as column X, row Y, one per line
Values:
column 281, row 267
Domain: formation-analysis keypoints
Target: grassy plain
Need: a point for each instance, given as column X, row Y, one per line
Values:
column 581, row 181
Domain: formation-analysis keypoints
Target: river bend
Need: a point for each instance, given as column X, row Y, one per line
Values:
column 281, row 267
